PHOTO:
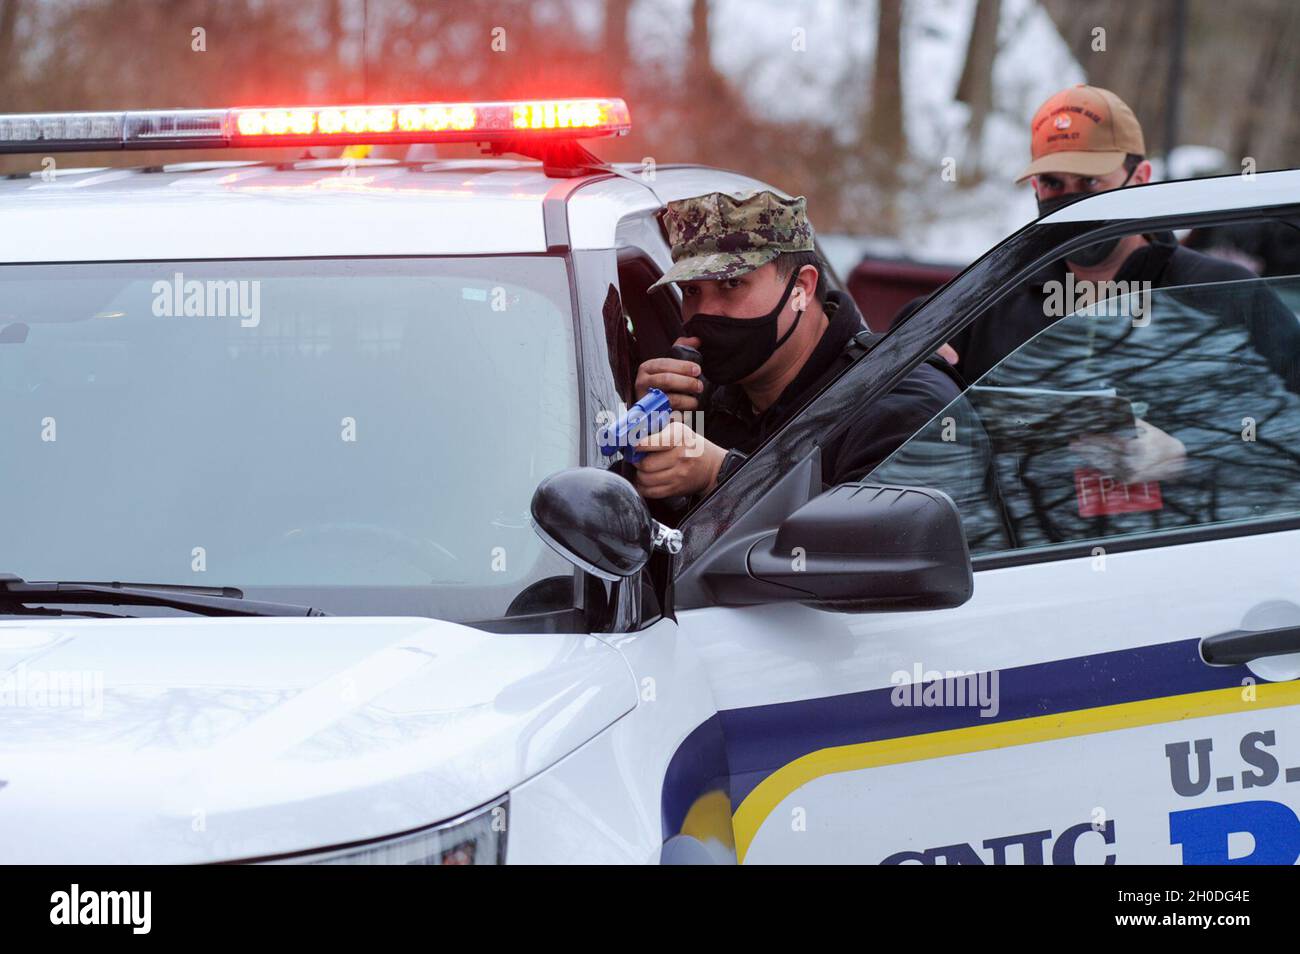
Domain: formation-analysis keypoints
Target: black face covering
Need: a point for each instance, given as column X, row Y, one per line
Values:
column 734, row 348
column 1092, row 255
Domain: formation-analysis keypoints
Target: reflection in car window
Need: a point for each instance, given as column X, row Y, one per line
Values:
column 368, row 441
column 1123, row 421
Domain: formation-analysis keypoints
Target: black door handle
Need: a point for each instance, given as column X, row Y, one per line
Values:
column 1242, row 645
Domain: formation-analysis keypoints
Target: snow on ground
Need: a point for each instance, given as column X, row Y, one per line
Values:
column 756, row 44
column 945, row 222
column 795, row 60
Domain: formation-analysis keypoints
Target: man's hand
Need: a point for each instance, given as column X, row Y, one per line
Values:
column 1151, row 455
column 680, row 380
column 677, row 461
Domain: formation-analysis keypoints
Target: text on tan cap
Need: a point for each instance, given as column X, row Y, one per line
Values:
column 1083, row 131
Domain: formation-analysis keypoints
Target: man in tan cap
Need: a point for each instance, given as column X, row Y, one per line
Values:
column 1084, row 139
column 756, row 306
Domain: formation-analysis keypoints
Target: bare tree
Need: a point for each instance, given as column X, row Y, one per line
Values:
column 9, row 10
column 1114, row 43
column 707, row 98
column 975, row 88
column 885, row 128
column 886, row 143
column 1269, row 79
column 615, row 50
column 1239, row 85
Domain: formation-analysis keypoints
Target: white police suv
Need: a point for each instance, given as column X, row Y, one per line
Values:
column 309, row 553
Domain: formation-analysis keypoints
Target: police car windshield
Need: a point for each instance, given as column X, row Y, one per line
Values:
column 363, row 436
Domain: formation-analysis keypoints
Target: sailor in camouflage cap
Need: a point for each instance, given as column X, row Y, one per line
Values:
column 762, row 326
column 718, row 236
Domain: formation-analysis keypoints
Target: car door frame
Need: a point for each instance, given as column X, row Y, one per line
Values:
column 912, row 341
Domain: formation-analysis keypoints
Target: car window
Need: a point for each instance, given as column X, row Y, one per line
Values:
column 364, row 433
column 1126, row 419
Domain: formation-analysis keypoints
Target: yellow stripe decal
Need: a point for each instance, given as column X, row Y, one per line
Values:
column 770, row 792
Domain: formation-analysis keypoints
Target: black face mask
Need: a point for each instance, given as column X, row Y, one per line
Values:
column 1092, row 255
column 734, row 348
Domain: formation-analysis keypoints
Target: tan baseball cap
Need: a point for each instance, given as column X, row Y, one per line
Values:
column 1083, row 131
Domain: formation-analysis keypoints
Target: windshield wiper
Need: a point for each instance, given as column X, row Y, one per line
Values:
column 17, row 609
column 205, row 600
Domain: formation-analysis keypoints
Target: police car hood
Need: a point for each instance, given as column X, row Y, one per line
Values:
column 190, row 740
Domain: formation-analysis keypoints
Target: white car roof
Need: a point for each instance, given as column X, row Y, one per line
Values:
column 221, row 210
column 1185, row 196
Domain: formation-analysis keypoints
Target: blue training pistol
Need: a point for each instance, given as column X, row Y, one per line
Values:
column 647, row 416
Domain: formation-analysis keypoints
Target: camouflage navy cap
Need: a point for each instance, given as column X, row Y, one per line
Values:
column 718, row 235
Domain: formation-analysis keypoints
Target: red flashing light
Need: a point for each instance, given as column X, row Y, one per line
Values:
column 516, row 125
column 430, row 122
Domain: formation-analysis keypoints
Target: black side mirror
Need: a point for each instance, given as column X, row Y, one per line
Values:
column 858, row 547
column 595, row 519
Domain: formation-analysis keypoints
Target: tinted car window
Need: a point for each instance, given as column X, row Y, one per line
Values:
column 1121, row 421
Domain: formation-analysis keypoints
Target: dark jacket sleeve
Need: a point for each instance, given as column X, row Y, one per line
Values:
column 1273, row 329
column 1275, row 334
column 883, row 427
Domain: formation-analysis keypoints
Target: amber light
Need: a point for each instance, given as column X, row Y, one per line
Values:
column 562, row 114
column 430, row 122
column 437, row 118
column 276, row 122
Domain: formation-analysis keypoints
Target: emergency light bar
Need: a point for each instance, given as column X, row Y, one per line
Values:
column 501, row 124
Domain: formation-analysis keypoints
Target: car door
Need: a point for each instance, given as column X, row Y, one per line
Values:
column 1121, row 688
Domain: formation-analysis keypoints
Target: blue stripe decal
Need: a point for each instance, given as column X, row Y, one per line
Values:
column 761, row 739
column 698, row 766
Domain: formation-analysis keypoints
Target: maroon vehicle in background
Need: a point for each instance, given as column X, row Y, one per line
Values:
column 882, row 286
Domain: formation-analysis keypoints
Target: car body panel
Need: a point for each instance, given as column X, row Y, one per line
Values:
column 218, row 739
column 627, row 795
column 1185, row 197
column 265, row 212
column 326, row 209
column 1095, row 661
